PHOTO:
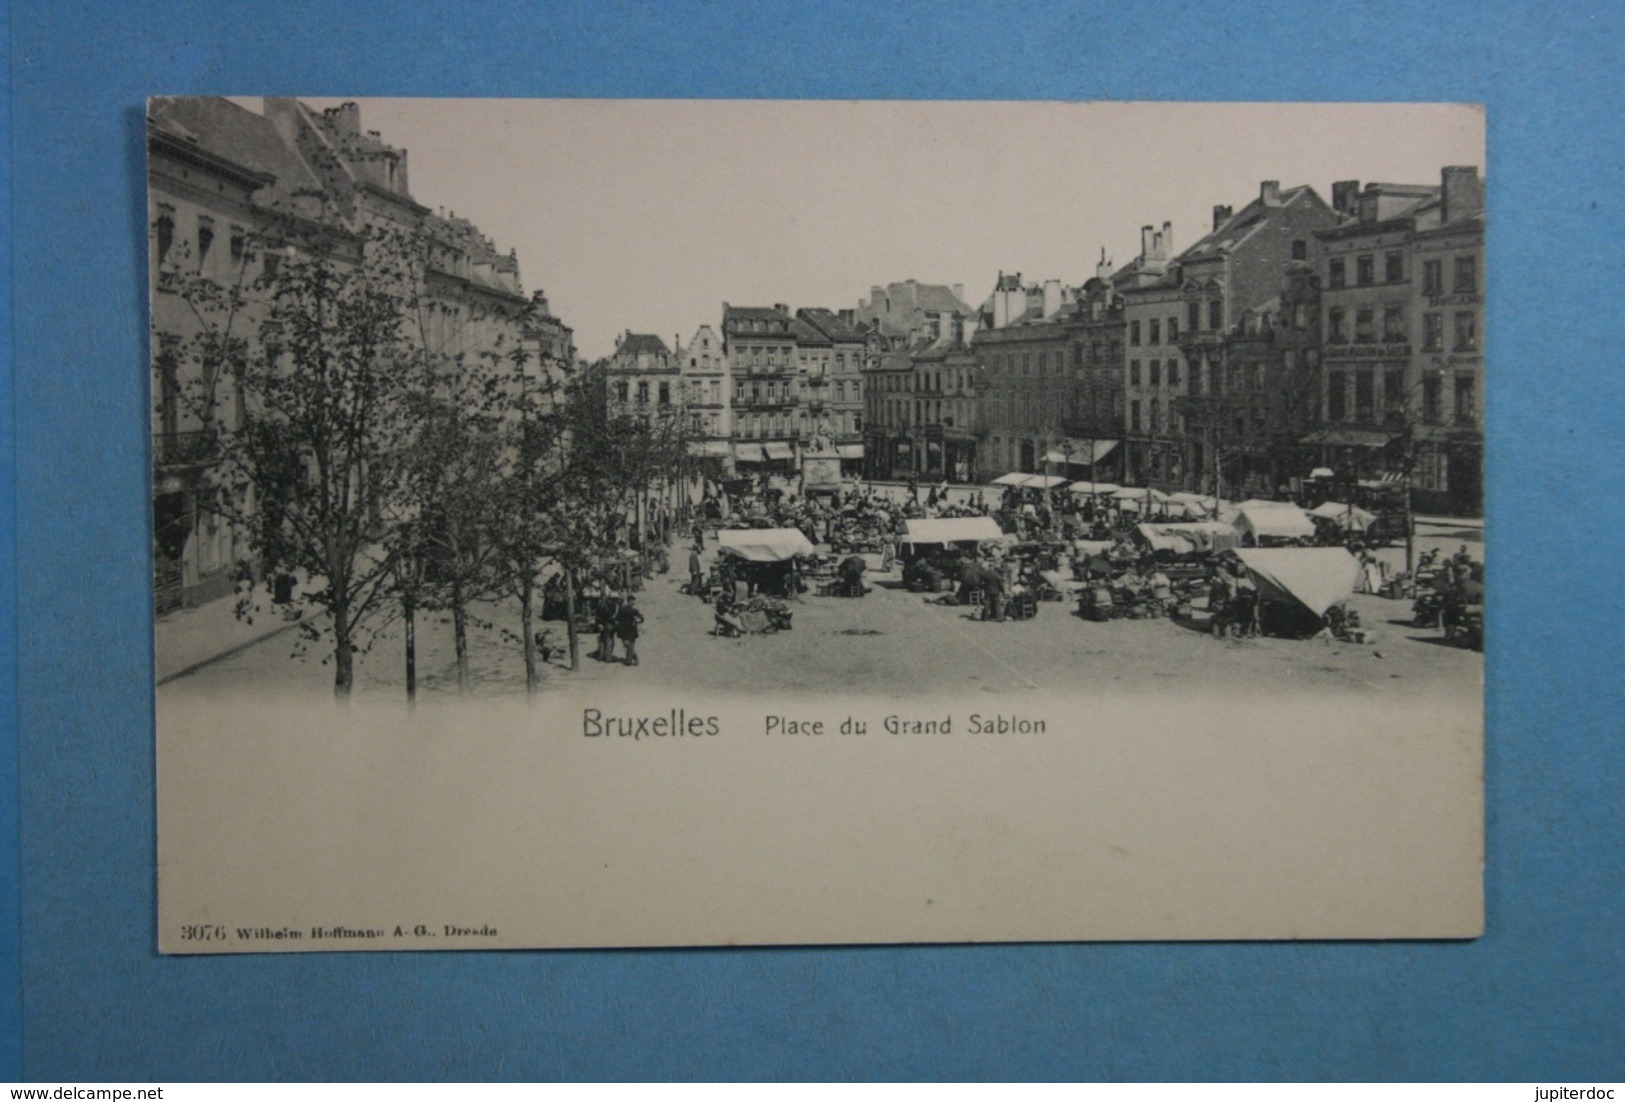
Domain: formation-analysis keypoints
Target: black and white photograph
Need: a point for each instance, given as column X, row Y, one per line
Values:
column 625, row 523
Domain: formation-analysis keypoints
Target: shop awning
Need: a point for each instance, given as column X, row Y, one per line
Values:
column 952, row 530
column 1347, row 438
column 773, row 449
column 849, row 451
column 764, row 544
column 717, row 448
column 1082, row 452
column 748, row 453
column 1278, row 519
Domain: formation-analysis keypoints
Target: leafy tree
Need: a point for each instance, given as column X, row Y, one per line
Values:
column 312, row 455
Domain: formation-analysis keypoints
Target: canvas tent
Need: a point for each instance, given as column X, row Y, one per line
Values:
column 1088, row 489
column 1298, row 584
column 1043, row 482
column 1206, row 504
column 1273, row 520
column 1182, row 539
column 951, row 530
column 1349, row 518
column 1014, row 478
column 764, row 544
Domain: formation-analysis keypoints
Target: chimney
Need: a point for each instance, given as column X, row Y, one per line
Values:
column 1167, row 239
column 1346, row 197
column 1221, row 215
column 781, row 308
column 1052, row 297
column 1269, row 193
column 1462, row 191
column 1103, row 267
column 1145, row 242
column 959, row 291
column 877, row 295
column 346, row 118
column 283, row 112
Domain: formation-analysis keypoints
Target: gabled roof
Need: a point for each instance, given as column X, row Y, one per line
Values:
column 806, row 334
column 830, row 324
column 735, row 318
column 225, row 130
column 938, row 299
column 639, row 343
column 1236, row 229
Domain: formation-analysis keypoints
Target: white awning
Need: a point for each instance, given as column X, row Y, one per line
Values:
column 849, row 451
column 774, row 449
column 764, row 544
column 748, row 453
column 1084, row 453
column 717, row 448
column 952, row 530
column 1316, row 577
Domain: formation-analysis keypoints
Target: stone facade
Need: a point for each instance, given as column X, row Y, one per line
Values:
column 232, row 195
column 1403, row 304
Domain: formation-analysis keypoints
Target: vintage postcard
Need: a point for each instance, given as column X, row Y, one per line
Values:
column 646, row 523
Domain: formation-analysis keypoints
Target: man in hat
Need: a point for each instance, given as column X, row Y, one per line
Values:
column 696, row 576
column 626, row 627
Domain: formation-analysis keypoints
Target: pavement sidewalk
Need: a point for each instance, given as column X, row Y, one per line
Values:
column 192, row 638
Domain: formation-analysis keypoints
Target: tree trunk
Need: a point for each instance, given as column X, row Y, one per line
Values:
column 343, row 657
column 1410, row 528
column 526, row 588
column 570, row 618
column 409, row 611
column 459, row 629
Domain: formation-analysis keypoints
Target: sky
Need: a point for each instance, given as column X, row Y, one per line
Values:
column 649, row 214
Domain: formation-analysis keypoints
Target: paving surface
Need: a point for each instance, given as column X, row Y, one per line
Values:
column 895, row 643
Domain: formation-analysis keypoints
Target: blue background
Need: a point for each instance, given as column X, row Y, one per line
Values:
column 1539, row 997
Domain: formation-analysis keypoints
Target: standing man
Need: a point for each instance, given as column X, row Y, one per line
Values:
column 626, row 626
column 607, row 611
column 696, row 576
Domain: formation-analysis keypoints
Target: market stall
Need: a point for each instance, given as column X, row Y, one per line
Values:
column 933, row 549
column 1297, row 586
column 1348, row 518
column 1272, row 523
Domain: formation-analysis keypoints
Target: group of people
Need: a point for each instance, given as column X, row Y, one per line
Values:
column 1232, row 600
column 617, row 617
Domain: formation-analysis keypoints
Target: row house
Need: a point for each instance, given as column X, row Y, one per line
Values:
column 903, row 321
column 1403, row 319
column 233, row 195
column 707, row 395
column 830, row 368
column 642, row 378
column 1154, row 374
column 1093, row 428
column 760, row 344
column 1231, row 274
column 1272, row 377
column 944, row 378
column 548, row 351
column 1026, row 367
column 889, row 418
